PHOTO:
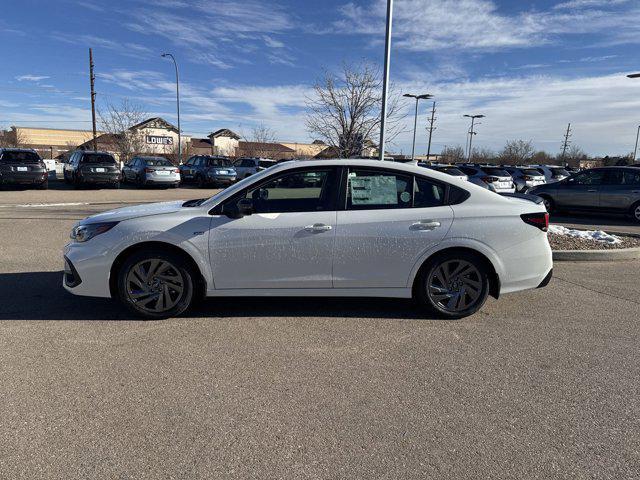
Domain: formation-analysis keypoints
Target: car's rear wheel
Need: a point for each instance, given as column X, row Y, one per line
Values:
column 156, row 284
column 549, row 204
column 453, row 285
column 44, row 185
column 635, row 212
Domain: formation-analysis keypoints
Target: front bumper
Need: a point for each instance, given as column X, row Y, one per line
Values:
column 87, row 268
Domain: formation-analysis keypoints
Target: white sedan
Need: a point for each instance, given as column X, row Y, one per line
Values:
column 317, row 228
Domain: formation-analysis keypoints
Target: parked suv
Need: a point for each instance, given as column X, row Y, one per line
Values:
column 208, row 169
column 24, row 167
column 151, row 171
column 552, row 173
column 609, row 189
column 88, row 167
column 248, row 166
column 525, row 178
column 496, row 178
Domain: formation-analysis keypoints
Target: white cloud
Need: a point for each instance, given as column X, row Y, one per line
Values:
column 31, row 78
column 435, row 25
column 577, row 4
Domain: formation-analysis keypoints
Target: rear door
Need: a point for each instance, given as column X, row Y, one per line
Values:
column 287, row 242
column 620, row 189
column 387, row 224
column 582, row 191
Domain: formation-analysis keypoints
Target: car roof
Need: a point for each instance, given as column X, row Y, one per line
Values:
column 14, row 149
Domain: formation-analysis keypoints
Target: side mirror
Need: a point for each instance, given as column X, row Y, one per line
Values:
column 242, row 208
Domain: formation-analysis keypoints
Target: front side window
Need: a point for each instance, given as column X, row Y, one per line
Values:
column 589, row 178
column 374, row 189
column 301, row 191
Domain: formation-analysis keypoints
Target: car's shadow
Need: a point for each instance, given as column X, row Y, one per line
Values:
column 40, row 296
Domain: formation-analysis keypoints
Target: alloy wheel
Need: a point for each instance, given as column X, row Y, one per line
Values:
column 154, row 285
column 455, row 286
column 636, row 213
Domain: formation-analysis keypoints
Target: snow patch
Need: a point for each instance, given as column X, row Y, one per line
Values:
column 595, row 235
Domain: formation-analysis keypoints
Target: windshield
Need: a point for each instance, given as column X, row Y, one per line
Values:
column 559, row 171
column 20, row 156
column 158, row 162
column 97, row 158
column 498, row 172
column 266, row 163
column 219, row 162
column 531, row 171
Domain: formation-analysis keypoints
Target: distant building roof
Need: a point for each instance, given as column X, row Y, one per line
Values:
column 224, row 132
column 155, row 122
column 264, row 147
column 106, row 141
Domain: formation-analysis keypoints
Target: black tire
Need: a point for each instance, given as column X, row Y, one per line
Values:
column 635, row 212
column 115, row 185
column 44, row 185
column 463, row 295
column 176, row 185
column 179, row 266
column 549, row 204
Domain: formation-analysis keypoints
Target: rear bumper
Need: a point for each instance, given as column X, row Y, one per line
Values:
column 222, row 179
column 546, row 280
column 24, row 178
column 162, row 179
column 100, row 177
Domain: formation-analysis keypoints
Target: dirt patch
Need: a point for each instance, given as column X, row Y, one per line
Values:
column 565, row 242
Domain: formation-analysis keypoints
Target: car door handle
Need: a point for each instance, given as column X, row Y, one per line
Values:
column 425, row 225
column 318, row 227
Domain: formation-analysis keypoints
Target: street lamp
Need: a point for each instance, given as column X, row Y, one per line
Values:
column 385, row 77
column 165, row 55
column 424, row 96
column 471, row 132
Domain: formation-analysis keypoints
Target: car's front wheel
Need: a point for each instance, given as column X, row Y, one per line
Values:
column 635, row 212
column 155, row 284
column 453, row 285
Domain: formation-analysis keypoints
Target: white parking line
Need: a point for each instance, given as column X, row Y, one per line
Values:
column 27, row 205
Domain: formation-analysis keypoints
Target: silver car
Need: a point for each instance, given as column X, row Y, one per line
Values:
column 151, row 171
column 608, row 189
column 496, row 178
column 525, row 178
column 246, row 167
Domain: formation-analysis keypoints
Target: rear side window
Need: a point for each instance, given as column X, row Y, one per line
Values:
column 375, row 189
column 20, row 156
column 631, row 178
column 97, row 158
column 427, row 194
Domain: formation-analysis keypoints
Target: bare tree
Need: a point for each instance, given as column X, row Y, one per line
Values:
column 116, row 120
column 345, row 109
column 452, row 154
column 260, row 143
column 262, row 134
column 11, row 138
column 573, row 156
column 517, row 152
column 483, row 155
column 542, row 158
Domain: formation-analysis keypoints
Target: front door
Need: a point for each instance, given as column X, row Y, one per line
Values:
column 388, row 224
column 287, row 242
column 581, row 191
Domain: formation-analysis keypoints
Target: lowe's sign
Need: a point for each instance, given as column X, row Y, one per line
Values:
column 159, row 140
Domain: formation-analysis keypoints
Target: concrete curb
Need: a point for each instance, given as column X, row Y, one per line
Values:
column 596, row 255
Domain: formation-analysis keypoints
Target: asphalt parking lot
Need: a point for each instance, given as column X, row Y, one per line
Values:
column 540, row 384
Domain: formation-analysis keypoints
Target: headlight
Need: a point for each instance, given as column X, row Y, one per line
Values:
column 83, row 233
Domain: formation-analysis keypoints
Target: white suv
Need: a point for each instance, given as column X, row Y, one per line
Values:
column 317, row 228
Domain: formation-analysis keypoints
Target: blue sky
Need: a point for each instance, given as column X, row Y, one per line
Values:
column 529, row 66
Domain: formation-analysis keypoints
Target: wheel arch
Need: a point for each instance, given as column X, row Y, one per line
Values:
column 494, row 278
column 201, row 283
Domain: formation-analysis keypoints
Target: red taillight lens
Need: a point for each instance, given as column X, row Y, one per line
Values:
column 176, row 171
column 490, row 179
column 540, row 220
column 148, row 170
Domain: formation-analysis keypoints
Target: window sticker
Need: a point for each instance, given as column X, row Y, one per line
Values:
column 405, row 197
column 374, row 190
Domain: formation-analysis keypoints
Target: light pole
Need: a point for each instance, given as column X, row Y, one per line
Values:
column 424, row 96
column 385, row 78
column 472, row 133
column 164, row 55
column 635, row 150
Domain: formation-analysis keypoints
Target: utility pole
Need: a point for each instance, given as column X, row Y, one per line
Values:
column 385, row 78
column 566, row 144
column 92, row 79
column 431, row 128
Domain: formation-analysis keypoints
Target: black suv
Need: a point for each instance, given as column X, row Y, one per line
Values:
column 85, row 167
column 20, row 166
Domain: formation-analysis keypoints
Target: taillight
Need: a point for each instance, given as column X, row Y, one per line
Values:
column 527, row 178
column 490, row 179
column 176, row 170
column 148, row 170
column 540, row 220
